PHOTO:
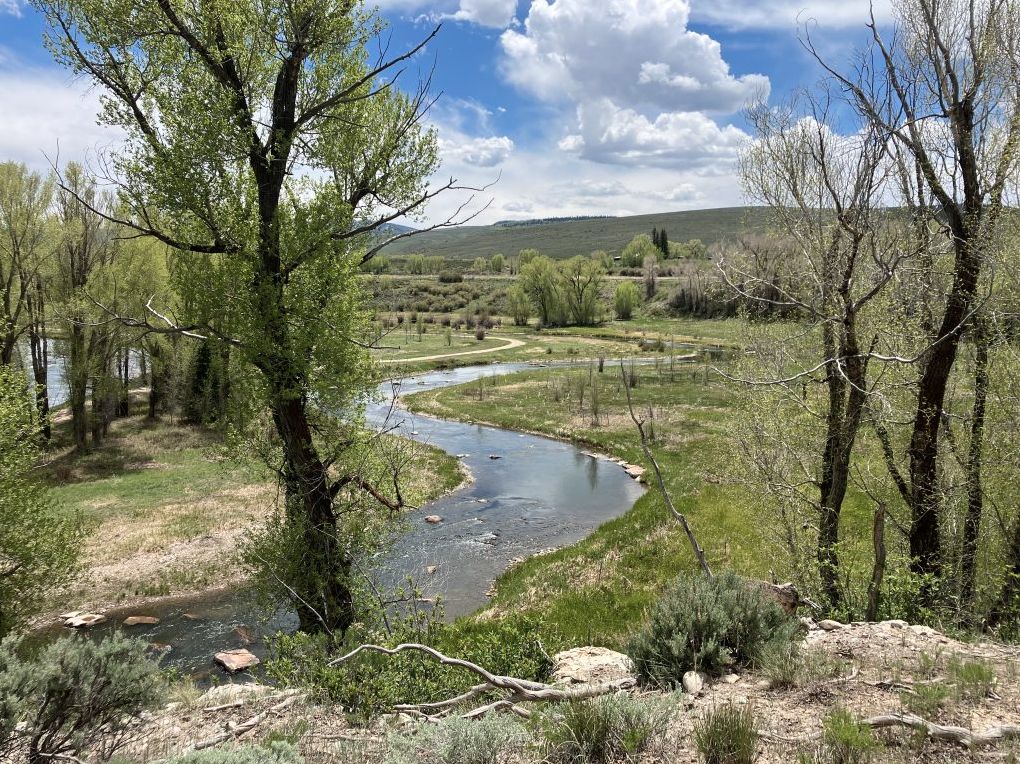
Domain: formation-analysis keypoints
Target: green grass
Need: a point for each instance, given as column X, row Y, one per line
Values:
column 400, row 345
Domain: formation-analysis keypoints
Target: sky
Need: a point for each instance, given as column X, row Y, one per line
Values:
column 555, row 107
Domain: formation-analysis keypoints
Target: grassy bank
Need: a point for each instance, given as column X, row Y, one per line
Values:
column 165, row 506
column 596, row 591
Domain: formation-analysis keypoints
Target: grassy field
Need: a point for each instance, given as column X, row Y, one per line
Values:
column 165, row 506
column 596, row 591
column 579, row 237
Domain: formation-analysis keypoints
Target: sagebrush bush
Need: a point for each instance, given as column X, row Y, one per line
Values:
column 56, row 704
column 846, row 740
column 602, row 729
column 490, row 740
column 710, row 625
column 727, row 735
column 273, row 753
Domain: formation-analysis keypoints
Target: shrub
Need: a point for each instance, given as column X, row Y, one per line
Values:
column 449, row 277
column 480, row 334
column 57, row 704
column 846, row 740
column 625, row 300
column 726, row 735
column 925, row 700
column 973, row 679
column 489, row 740
column 274, row 753
column 603, row 728
column 710, row 625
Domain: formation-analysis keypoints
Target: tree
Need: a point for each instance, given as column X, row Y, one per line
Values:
column 480, row 265
column 498, row 263
column 637, row 250
column 518, row 305
column 625, row 300
column 650, row 266
column 543, row 283
column 38, row 543
column 264, row 146
column 583, row 279
column 944, row 91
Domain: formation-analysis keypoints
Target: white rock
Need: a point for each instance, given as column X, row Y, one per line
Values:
column 85, row 620
column 591, row 665
column 830, row 625
column 433, row 519
column 693, row 682
column 731, row 679
column 895, row 624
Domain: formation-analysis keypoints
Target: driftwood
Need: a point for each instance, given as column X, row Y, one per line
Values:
column 289, row 698
column 520, row 690
column 965, row 737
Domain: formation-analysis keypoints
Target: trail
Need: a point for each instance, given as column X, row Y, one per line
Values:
column 510, row 345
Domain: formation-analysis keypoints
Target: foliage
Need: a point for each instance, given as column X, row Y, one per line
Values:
column 925, row 699
column 640, row 247
column 541, row 280
column 490, row 740
column 450, row 277
column 603, row 728
column 973, row 678
column 518, row 305
column 846, row 740
column 625, row 299
column 727, row 735
column 373, row 683
column 710, row 625
column 497, row 263
column 73, row 689
column 38, row 543
column 274, row 753
column 480, row 265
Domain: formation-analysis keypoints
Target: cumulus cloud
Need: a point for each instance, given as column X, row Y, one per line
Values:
column 787, row 14
column 44, row 116
column 639, row 53
column 689, row 140
column 487, row 13
column 12, row 7
column 477, row 152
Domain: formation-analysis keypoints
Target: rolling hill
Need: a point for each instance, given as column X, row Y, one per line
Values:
column 566, row 238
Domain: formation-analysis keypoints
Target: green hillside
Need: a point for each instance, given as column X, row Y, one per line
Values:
column 579, row 237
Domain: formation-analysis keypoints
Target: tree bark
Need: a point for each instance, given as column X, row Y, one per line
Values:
column 975, row 490
column 40, row 355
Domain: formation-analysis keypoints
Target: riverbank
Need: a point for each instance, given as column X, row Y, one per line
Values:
column 165, row 506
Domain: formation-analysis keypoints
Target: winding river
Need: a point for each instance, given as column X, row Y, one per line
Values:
column 528, row 494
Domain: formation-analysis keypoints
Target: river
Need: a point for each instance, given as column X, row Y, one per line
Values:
column 538, row 494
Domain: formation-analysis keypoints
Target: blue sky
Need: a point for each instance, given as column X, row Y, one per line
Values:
column 577, row 106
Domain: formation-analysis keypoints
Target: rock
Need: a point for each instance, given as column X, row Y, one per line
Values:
column 244, row 634
column 229, row 693
column 236, row 660
column 830, row 625
column 895, row 624
column 431, row 569
column 693, row 682
column 634, row 470
column 433, row 519
column 591, row 665
column 141, row 620
column 85, row 620
column 495, row 456
column 70, row 614
column 731, row 679
column 808, row 623
column 159, row 649
column 191, row 617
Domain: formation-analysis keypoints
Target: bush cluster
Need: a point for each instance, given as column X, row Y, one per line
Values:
column 273, row 753
column 710, row 625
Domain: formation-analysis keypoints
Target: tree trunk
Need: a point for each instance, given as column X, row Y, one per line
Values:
column 975, row 491
column 77, row 385
column 40, row 355
column 878, row 570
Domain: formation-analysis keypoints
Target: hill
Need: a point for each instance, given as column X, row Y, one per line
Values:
column 566, row 238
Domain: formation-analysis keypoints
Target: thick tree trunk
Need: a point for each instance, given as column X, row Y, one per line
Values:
column 975, row 490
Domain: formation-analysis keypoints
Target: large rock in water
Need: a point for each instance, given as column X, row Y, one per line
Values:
column 83, row 620
column 236, row 660
column 591, row 665
column 141, row 620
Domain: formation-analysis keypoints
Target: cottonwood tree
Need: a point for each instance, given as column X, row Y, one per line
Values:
column 266, row 141
column 943, row 89
column 826, row 196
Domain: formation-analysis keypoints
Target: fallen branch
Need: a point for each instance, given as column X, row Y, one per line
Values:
column 290, row 697
column 960, row 735
column 520, row 690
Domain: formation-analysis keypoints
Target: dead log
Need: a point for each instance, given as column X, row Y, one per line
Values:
column 960, row 735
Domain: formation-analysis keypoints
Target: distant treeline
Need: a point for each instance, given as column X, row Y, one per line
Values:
column 541, row 221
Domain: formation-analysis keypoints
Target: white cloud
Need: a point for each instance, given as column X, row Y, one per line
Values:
column 639, row 53
column 478, row 152
column 487, row 13
column 12, row 7
column 687, row 140
column 788, row 14
column 45, row 118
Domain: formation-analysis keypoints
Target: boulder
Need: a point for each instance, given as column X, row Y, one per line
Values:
column 591, row 665
column 495, row 456
column 141, row 620
column 431, row 569
column 85, row 620
column 236, row 660
column 433, row 519
column 830, row 625
column 634, row 470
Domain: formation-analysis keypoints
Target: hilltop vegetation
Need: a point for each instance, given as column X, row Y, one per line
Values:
column 565, row 239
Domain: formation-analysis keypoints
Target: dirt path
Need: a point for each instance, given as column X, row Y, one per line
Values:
column 510, row 345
